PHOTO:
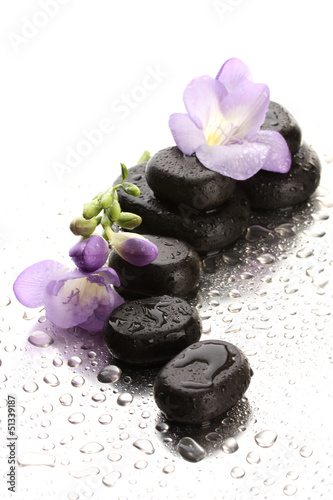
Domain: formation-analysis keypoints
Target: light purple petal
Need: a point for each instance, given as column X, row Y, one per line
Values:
column 90, row 254
column 31, row 284
column 233, row 73
column 278, row 157
column 95, row 322
column 202, row 98
column 245, row 107
column 238, row 161
column 109, row 275
column 137, row 251
column 186, row 134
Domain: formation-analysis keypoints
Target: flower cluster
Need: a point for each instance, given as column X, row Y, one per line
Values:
column 222, row 124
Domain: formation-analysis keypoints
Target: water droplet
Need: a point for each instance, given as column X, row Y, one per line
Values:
column 77, row 381
column 30, row 458
column 66, row 399
column 168, row 469
column 252, row 457
column 30, row 387
column 235, row 307
column 266, row 258
column 314, row 233
column 162, row 427
column 144, row 445
column 269, row 481
column 111, row 478
column 286, row 230
column 76, row 418
column 92, row 447
column 266, row 438
column 190, row 450
column 237, row 472
column 292, row 475
column 99, row 397
column 255, row 233
column 92, row 355
column 29, row 315
column 304, row 253
column 79, row 474
column 213, row 437
column 229, row 445
column 289, row 490
column 231, row 258
column 246, row 276
column 290, row 289
column 66, row 439
column 108, row 374
column 140, row 464
column 105, row 419
column 5, row 328
column 51, row 380
column 41, row 339
column 305, row 451
column 57, row 362
column 114, row 457
column 74, row 361
column 124, row 399
column 4, row 300
column 234, row 294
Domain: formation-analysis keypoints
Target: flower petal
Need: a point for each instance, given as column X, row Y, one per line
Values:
column 186, row 134
column 109, row 275
column 278, row 158
column 31, row 284
column 238, row 161
column 202, row 98
column 233, row 72
column 95, row 322
column 90, row 254
column 245, row 107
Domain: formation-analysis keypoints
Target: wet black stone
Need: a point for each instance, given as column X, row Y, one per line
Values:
column 269, row 190
column 204, row 231
column 280, row 120
column 177, row 178
column 175, row 271
column 151, row 331
column 202, row 382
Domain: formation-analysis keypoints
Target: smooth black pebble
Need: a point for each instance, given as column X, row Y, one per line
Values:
column 202, row 382
column 152, row 330
column 175, row 271
column 205, row 231
column 269, row 190
column 178, row 178
column 280, row 120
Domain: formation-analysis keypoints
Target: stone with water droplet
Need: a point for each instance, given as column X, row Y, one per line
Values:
column 152, row 330
column 280, row 120
column 92, row 447
column 266, row 438
column 202, row 382
column 41, row 339
column 190, row 450
column 109, row 374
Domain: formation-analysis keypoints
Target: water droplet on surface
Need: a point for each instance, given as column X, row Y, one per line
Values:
column 74, row 361
column 30, row 387
column 305, row 451
column 286, row 230
column 266, row 258
column 99, row 397
column 114, row 457
column 105, row 419
column 190, row 450
column 213, row 437
column 66, row 439
column 237, row 472
column 314, row 233
column 246, row 276
column 252, row 457
column 124, row 399
column 140, row 464
column 76, row 418
column 292, row 475
column 234, row 294
column 79, row 474
column 255, row 233
column 235, row 307
column 29, row 315
column 41, row 339
column 77, row 381
column 162, row 427
column 229, row 445
column 51, row 380
column 66, row 399
column 168, row 469
column 111, row 478
column 304, row 253
column 4, row 300
column 4, row 328
column 57, row 362
column 290, row 490
column 109, row 374
column 30, row 458
column 144, row 445
column 92, row 447
column 266, row 439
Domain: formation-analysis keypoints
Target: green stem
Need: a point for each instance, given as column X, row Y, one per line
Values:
column 108, row 232
column 144, row 157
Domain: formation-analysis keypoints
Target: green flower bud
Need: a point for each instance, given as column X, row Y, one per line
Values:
column 92, row 209
column 124, row 172
column 83, row 227
column 126, row 220
column 131, row 189
column 106, row 200
column 114, row 211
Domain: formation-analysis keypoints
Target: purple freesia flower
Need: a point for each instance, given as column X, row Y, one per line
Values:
column 134, row 248
column 70, row 298
column 222, row 124
column 90, row 254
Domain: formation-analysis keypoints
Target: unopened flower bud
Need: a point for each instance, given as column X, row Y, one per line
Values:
column 134, row 248
column 127, row 220
column 114, row 211
column 106, row 200
column 91, row 209
column 83, row 227
column 131, row 189
column 90, row 254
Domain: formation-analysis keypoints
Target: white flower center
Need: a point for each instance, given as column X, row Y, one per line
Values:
column 220, row 131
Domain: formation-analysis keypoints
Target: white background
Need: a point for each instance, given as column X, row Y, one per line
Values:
column 65, row 71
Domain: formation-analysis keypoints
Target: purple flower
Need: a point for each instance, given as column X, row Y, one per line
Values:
column 222, row 124
column 70, row 298
column 134, row 248
column 90, row 254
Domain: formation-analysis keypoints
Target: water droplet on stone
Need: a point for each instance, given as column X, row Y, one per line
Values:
column 111, row 478
column 105, row 419
column 74, row 361
column 124, row 399
column 266, row 438
column 30, row 458
column 144, row 445
column 252, row 457
column 66, row 399
column 190, row 450
column 92, row 447
column 76, row 418
column 51, row 380
column 41, row 339
column 305, row 451
column 229, row 445
column 30, row 387
column 77, row 381
column 237, row 472
column 109, row 374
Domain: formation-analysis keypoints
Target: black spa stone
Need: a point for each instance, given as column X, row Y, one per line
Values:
column 176, row 270
column 269, row 190
column 204, row 231
column 202, row 382
column 177, row 178
column 280, row 120
column 151, row 331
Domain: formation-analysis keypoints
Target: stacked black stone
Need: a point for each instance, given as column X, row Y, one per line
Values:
column 269, row 190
